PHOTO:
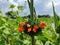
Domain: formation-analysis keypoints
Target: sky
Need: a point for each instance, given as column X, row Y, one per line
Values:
column 41, row 6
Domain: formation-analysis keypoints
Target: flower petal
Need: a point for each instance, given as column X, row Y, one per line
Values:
column 29, row 29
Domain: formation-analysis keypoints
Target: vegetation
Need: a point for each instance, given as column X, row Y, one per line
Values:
column 9, row 34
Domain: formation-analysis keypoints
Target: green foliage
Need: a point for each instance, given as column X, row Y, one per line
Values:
column 56, row 18
column 20, row 7
column 12, row 14
column 9, row 34
column 57, row 25
column 12, row 6
column 9, row 28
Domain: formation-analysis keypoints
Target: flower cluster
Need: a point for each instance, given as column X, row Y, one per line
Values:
column 30, row 29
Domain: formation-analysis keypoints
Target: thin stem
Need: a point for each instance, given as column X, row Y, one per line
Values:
column 33, row 41
column 59, row 39
column 31, row 4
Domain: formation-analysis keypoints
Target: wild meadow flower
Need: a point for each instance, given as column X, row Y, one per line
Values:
column 34, row 30
column 32, row 26
column 28, row 25
column 31, row 29
column 20, row 29
column 22, row 24
column 42, row 25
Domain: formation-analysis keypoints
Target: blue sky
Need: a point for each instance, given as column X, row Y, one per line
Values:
column 41, row 6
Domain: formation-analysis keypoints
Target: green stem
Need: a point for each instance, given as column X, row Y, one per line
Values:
column 31, row 5
column 59, row 39
column 33, row 41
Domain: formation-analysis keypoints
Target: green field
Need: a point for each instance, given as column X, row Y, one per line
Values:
column 17, row 30
column 9, row 34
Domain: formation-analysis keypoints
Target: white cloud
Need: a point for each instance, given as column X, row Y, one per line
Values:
column 12, row 2
column 49, row 4
column 25, row 0
column 20, row 1
column 37, row 1
column 0, row 0
column 45, row 4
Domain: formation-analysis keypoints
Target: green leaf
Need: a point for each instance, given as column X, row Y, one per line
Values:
column 6, row 31
column 20, row 7
column 56, row 18
column 12, row 6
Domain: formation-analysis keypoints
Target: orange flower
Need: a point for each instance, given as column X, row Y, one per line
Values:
column 20, row 29
column 36, row 26
column 42, row 25
column 34, row 30
column 28, row 25
column 29, row 29
column 22, row 24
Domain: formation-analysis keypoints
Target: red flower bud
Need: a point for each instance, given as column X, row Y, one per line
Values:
column 20, row 29
column 22, row 24
column 28, row 25
column 36, row 26
column 29, row 29
column 34, row 30
column 42, row 25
